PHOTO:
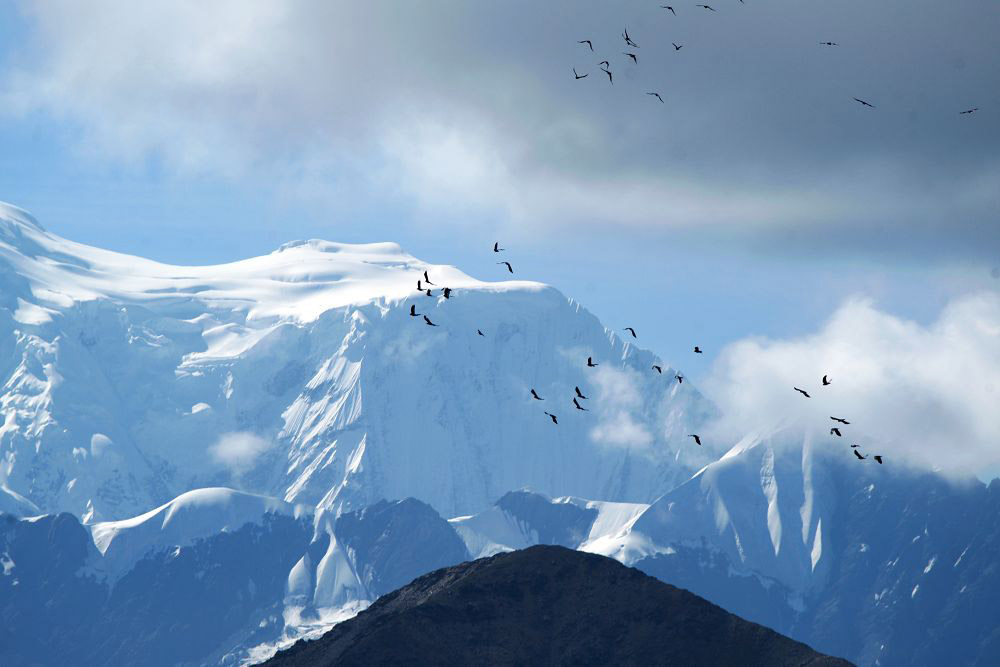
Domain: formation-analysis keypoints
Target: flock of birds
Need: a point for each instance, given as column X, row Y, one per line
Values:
column 424, row 286
column 605, row 65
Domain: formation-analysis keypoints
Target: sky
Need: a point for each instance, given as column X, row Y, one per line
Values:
column 747, row 213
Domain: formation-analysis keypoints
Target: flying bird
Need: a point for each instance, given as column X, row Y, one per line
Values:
column 447, row 292
column 630, row 330
column 864, row 103
column 802, row 391
column 579, row 407
column 429, row 292
column 706, row 7
column 676, row 47
column 497, row 248
column 657, row 96
column 826, row 380
column 553, row 418
column 835, row 431
column 680, row 379
column 578, row 77
column 697, row 350
column 428, row 322
column 697, row 438
column 611, row 79
column 413, row 311
column 535, row 396
column 658, row 369
column 973, row 110
column 628, row 40
column 858, row 454
column 590, row 362
column 855, row 445
column 427, row 279
column 587, row 42
column 509, row 267
column 632, row 56
column 579, row 393
column 478, row 331
column 420, row 287
column 829, row 44
column 878, row 457
column 842, row 421
column 605, row 63
column 670, row 8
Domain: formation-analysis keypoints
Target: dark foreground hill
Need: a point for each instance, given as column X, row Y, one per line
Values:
column 547, row 605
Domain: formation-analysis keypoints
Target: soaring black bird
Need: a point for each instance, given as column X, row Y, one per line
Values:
column 420, row 286
column 826, row 380
column 677, row 47
column 428, row 322
column 858, row 454
column 478, row 331
column 973, row 110
column 842, row 421
column 611, row 79
column 429, row 292
column 632, row 56
column 447, row 292
column 855, row 445
column 535, row 396
column 878, row 457
column 630, row 330
column 864, row 103
column 835, row 431
column 426, row 279
column 579, row 76
column 590, row 362
column 657, row 96
column 829, row 44
column 605, row 63
column 697, row 350
column 587, row 42
column 628, row 40
column 553, row 418
column 497, row 248
column 802, row 391
column 670, row 8
column 509, row 267
column 680, row 379
column 579, row 407
column 705, row 7
column 413, row 311
column 579, row 393
column 658, row 369
column 697, row 438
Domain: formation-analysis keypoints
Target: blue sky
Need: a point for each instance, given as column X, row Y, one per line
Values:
column 755, row 202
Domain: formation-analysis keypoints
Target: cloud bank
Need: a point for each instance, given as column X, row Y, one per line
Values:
column 928, row 395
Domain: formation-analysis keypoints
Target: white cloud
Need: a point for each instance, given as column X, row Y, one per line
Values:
column 617, row 407
column 238, row 450
column 925, row 394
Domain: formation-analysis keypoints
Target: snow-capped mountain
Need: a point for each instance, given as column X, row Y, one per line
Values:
column 301, row 375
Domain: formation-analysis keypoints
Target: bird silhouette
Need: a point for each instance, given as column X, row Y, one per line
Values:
column 535, row 396
column 697, row 438
column 497, row 248
column 829, row 44
column 680, row 379
column 855, row 445
column 658, row 369
column 611, row 79
column 657, row 96
column 697, row 350
column 867, row 104
column 478, row 331
column 835, row 431
column 967, row 111
column 579, row 76
column 428, row 322
column 826, row 380
column 428, row 292
column 802, row 391
column 605, row 63
column 426, row 279
column 632, row 56
column 447, row 292
column 858, row 454
column 413, row 311
column 420, row 286
column 553, row 418
column 590, row 362
column 579, row 407
column 670, row 8
column 677, row 47
column 878, row 457
column 706, row 7
column 628, row 40
column 509, row 267
column 580, row 393
column 630, row 330
column 842, row 421
column 587, row 42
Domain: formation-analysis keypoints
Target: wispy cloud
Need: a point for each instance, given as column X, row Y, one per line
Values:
column 239, row 450
column 617, row 407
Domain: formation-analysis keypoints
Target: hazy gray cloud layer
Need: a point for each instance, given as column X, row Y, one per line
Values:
column 470, row 110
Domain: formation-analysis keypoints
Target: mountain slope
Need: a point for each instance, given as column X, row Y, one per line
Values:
column 546, row 605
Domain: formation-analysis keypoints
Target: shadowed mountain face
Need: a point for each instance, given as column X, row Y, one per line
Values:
column 547, row 605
